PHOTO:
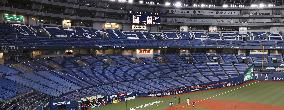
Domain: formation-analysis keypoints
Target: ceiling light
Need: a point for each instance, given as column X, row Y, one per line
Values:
column 225, row 6
column 262, row 5
column 130, row 1
column 167, row 3
column 178, row 4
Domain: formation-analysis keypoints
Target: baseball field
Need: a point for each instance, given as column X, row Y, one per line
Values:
column 255, row 95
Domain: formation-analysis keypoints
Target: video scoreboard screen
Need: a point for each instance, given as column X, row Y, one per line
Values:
column 145, row 18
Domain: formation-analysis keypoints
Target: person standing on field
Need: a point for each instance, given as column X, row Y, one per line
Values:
column 188, row 101
column 193, row 104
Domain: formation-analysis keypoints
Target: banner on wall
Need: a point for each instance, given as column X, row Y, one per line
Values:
column 13, row 18
column 249, row 74
column 139, row 27
column 262, row 52
column 144, row 53
column 112, row 26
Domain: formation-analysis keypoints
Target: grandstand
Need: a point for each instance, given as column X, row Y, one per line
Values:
column 141, row 54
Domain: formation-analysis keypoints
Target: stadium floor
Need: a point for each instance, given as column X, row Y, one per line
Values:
column 266, row 95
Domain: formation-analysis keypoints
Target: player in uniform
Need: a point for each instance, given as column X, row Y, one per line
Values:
column 188, row 101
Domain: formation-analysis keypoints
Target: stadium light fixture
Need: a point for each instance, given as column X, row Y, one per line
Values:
column 262, row 5
column 253, row 5
column 233, row 5
column 167, row 3
column 195, row 5
column 112, row 0
column 203, row 5
column 141, row 2
column 178, row 4
column 211, row 5
column 225, row 6
column 130, row 1
column 241, row 5
column 152, row 3
column 270, row 5
column 122, row 1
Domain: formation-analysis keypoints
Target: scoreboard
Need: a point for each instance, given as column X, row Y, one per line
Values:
column 145, row 18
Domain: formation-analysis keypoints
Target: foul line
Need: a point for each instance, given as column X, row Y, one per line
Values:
column 229, row 91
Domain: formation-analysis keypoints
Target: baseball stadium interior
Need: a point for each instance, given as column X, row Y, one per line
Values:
column 141, row 54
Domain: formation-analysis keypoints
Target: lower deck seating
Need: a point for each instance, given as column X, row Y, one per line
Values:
column 75, row 77
column 9, row 89
column 27, row 101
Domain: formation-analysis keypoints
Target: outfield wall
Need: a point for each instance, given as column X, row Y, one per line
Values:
column 95, row 101
column 275, row 76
